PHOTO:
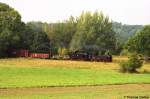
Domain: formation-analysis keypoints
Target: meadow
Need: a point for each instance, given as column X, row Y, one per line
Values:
column 27, row 73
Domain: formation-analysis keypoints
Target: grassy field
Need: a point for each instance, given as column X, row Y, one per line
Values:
column 37, row 73
column 45, row 77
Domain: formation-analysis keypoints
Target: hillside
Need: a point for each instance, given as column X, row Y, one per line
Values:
column 125, row 31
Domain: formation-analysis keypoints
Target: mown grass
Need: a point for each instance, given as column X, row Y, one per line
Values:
column 28, row 73
column 21, row 73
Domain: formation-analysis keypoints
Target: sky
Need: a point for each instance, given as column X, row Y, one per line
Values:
column 124, row 11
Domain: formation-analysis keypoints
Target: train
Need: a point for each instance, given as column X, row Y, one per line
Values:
column 83, row 56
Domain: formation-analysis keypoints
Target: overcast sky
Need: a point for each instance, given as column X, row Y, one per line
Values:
column 125, row 11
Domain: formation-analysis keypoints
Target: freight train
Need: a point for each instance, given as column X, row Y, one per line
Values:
column 27, row 53
column 72, row 56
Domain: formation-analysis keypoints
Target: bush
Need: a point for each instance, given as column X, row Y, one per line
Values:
column 132, row 64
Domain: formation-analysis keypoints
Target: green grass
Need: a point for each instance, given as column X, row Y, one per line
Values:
column 28, row 73
column 54, row 76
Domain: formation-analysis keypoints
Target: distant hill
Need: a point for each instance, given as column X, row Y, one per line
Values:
column 125, row 31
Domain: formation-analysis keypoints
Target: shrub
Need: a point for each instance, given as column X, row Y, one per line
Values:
column 132, row 64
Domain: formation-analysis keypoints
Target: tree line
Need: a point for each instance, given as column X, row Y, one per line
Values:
column 90, row 32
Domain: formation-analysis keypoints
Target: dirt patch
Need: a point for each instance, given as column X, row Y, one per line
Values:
column 54, row 90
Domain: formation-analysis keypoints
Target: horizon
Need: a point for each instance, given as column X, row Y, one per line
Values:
column 121, row 11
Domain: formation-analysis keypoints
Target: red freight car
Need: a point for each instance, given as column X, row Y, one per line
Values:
column 18, row 53
column 22, row 53
column 27, row 53
column 39, row 55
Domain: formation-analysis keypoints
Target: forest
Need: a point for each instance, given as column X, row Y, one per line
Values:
column 91, row 32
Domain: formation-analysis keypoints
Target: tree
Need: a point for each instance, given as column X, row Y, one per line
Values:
column 69, row 31
column 61, row 33
column 94, row 33
column 140, row 43
column 40, row 42
column 37, row 40
column 10, row 28
column 124, row 31
column 132, row 64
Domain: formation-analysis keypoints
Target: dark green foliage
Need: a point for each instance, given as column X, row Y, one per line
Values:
column 124, row 31
column 140, row 43
column 14, row 34
column 64, row 33
column 10, row 29
column 58, row 34
column 9, row 18
column 132, row 64
column 94, row 34
column 40, row 42
column 90, row 32
column 37, row 39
